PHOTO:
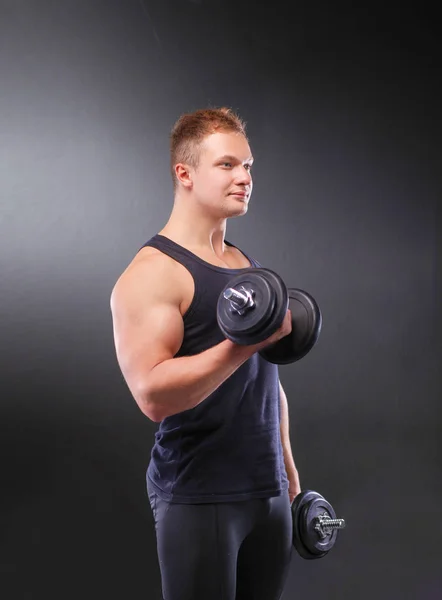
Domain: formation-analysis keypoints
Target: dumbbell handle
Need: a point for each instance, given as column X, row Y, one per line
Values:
column 240, row 300
column 324, row 525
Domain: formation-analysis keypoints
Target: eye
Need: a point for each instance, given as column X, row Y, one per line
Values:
column 248, row 167
column 226, row 164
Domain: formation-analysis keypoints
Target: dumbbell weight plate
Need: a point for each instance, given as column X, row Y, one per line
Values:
column 256, row 324
column 298, row 507
column 307, row 506
column 306, row 327
column 312, row 540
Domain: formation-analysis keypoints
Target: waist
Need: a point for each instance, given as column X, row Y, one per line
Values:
column 222, row 466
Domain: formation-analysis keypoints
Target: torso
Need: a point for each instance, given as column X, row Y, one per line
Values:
column 182, row 279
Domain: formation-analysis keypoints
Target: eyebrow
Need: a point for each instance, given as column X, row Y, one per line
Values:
column 231, row 158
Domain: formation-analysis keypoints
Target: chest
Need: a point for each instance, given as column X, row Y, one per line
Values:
column 234, row 260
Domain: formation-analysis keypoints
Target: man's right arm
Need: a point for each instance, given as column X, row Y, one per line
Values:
column 148, row 332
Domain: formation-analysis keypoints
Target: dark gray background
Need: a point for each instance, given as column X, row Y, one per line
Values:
column 343, row 112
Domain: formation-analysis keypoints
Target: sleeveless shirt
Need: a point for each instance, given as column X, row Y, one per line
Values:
column 228, row 447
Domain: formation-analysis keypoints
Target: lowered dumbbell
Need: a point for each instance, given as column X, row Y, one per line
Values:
column 252, row 307
column 315, row 526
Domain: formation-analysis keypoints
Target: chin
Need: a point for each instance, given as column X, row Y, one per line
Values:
column 237, row 208
column 239, row 213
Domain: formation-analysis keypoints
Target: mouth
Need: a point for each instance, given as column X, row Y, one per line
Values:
column 239, row 194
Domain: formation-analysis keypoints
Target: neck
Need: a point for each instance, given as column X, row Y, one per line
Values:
column 190, row 227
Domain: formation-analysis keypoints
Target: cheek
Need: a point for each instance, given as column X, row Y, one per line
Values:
column 214, row 183
column 218, row 182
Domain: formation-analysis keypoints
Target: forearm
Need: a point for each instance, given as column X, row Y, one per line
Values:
column 182, row 383
column 285, row 433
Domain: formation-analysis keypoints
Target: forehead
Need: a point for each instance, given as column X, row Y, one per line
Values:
column 220, row 144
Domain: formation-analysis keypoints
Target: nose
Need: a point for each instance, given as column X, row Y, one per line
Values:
column 244, row 177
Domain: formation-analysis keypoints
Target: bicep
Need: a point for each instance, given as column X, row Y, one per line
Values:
column 148, row 329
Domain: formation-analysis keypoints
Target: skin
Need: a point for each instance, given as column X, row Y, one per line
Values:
column 147, row 311
column 204, row 197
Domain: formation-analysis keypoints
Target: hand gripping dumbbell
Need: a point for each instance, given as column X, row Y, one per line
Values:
column 252, row 307
column 315, row 526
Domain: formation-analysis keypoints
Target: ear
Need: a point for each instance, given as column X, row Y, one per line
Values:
column 183, row 175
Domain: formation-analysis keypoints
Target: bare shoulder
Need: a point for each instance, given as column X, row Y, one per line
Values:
column 149, row 275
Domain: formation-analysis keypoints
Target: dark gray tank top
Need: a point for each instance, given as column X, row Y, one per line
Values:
column 228, row 448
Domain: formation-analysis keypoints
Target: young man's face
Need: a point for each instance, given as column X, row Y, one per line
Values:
column 222, row 182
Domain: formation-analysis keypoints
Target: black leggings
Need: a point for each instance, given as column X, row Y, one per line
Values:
column 223, row 551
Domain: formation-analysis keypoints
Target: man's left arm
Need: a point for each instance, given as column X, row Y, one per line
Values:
column 292, row 472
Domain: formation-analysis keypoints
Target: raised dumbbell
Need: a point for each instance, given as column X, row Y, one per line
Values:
column 252, row 307
column 315, row 526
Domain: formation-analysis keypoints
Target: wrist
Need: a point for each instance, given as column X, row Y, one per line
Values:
column 240, row 351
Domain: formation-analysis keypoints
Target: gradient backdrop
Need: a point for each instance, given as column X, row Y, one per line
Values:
column 344, row 117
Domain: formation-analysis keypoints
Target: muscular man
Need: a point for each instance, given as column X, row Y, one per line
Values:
column 221, row 477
